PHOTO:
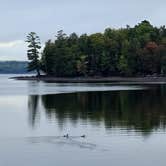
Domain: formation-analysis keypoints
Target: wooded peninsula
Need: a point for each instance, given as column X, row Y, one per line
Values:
column 131, row 51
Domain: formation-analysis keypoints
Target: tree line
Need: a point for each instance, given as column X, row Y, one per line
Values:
column 13, row 67
column 129, row 51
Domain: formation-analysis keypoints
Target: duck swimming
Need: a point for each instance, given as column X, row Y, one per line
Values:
column 66, row 136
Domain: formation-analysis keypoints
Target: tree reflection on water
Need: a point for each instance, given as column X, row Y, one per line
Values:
column 143, row 111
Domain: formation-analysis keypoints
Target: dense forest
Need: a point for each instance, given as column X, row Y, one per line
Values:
column 13, row 67
column 129, row 51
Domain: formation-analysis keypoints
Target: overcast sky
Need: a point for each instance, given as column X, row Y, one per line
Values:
column 46, row 17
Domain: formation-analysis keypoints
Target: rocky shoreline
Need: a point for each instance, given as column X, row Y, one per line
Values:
column 92, row 79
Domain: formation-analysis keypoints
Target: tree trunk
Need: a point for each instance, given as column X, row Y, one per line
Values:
column 38, row 72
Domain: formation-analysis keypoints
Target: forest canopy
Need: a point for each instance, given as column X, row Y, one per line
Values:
column 129, row 51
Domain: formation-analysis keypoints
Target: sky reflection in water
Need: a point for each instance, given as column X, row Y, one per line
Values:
column 122, row 127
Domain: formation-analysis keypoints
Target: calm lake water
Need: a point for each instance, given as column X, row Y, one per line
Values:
column 124, row 124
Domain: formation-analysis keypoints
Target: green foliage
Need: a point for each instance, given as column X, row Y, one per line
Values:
column 33, row 52
column 140, row 50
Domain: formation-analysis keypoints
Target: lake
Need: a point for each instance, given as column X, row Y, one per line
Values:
column 123, row 124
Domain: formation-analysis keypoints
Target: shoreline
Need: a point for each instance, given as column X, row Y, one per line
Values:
column 149, row 79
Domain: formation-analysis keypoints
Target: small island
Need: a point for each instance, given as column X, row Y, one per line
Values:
column 128, row 54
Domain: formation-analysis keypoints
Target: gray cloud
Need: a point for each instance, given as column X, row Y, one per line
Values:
column 82, row 16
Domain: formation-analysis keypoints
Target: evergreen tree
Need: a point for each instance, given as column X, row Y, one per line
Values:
column 33, row 52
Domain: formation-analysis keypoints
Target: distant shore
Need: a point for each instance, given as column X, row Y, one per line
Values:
column 147, row 79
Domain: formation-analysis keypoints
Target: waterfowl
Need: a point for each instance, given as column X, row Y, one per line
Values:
column 66, row 136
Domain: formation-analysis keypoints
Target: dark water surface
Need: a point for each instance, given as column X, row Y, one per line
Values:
column 124, row 124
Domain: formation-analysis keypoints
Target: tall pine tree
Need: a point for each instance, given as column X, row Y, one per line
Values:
column 34, row 46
